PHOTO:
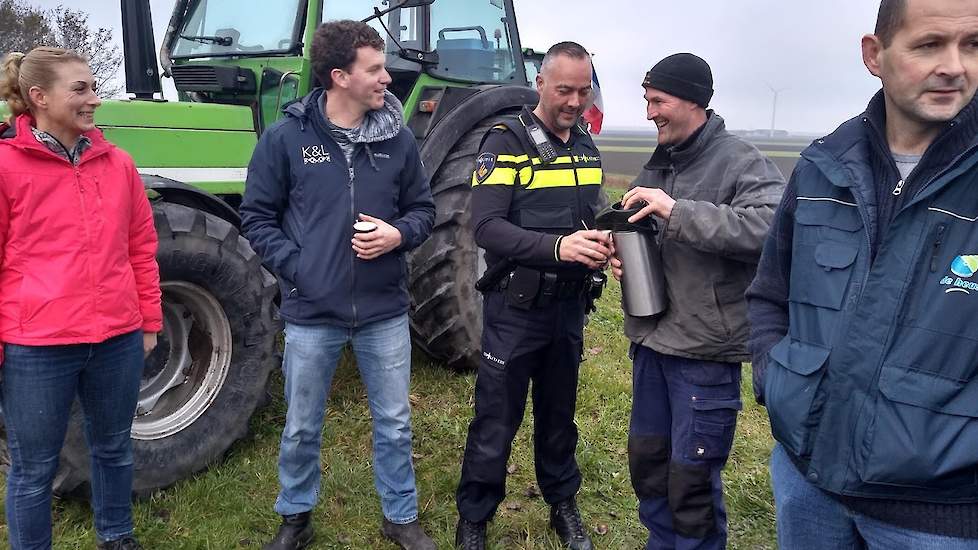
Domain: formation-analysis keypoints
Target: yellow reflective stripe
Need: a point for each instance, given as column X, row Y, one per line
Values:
column 589, row 176
column 511, row 158
column 565, row 178
column 499, row 176
column 552, row 178
column 536, row 160
column 566, row 159
column 525, row 174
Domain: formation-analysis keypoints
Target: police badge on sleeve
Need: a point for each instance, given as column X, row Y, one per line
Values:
column 484, row 165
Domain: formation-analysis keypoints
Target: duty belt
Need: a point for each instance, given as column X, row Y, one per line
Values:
column 553, row 288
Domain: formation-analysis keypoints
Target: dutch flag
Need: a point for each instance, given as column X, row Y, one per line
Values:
column 595, row 113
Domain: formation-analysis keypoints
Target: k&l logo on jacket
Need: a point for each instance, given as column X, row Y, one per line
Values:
column 315, row 154
column 964, row 267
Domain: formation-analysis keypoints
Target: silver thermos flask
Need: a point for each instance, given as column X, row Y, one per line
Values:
column 643, row 285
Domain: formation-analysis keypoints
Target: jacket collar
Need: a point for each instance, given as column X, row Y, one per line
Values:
column 528, row 116
column 24, row 140
column 378, row 125
column 683, row 154
column 857, row 139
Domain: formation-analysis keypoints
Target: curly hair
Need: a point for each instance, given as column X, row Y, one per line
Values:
column 20, row 72
column 335, row 44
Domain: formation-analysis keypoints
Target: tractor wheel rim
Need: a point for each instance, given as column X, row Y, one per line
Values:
column 185, row 374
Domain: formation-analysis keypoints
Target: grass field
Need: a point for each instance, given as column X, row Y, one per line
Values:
column 230, row 506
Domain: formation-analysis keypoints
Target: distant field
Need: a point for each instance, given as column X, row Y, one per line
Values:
column 627, row 152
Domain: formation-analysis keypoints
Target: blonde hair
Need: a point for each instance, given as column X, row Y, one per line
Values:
column 21, row 72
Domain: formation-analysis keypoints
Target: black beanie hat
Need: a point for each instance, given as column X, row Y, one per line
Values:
column 683, row 75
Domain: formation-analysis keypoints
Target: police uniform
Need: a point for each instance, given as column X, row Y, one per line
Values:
column 533, row 317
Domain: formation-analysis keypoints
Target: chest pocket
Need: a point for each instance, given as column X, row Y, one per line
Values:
column 823, row 218
column 944, row 292
column 546, row 217
column 826, row 243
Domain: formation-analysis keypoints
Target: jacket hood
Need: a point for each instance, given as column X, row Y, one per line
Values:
column 378, row 125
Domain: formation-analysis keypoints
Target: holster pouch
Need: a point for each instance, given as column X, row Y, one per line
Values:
column 595, row 287
column 548, row 289
column 523, row 287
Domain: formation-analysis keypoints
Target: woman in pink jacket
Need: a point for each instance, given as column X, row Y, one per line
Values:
column 79, row 293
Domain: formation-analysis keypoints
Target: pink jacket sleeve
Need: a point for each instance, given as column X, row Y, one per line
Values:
column 4, row 228
column 142, row 255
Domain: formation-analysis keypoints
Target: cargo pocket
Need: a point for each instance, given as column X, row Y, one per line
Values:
column 794, row 373
column 820, row 273
column 712, row 429
column 828, row 220
column 924, row 431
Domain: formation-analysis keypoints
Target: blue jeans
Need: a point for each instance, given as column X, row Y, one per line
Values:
column 809, row 519
column 383, row 352
column 684, row 414
column 39, row 385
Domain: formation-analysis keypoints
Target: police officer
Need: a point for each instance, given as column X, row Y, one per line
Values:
column 535, row 191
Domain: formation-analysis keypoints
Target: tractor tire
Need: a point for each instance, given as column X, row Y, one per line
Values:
column 446, row 309
column 210, row 370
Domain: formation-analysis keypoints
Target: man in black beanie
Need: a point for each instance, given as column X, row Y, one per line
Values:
column 713, row 196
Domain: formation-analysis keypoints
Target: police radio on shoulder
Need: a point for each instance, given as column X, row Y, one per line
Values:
column 547, row 151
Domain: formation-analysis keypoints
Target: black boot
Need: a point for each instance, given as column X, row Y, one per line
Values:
column 470, row 535
column 409, row 536
column 295, row 533
column 566, row 520
column 125, row 543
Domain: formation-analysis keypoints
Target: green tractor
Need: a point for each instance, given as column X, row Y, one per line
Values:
column 458, row 68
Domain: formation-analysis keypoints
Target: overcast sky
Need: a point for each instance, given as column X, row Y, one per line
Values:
column 808, row 50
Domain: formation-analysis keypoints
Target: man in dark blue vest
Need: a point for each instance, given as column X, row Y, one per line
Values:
column 863, row 310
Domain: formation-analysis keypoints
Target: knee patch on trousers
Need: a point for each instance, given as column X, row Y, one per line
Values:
column 691, row 500
column 648, row 465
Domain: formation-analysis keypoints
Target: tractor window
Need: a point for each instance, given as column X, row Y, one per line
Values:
column 472, row 39
column 334, row 10
column 235, row 27
column 403, row 23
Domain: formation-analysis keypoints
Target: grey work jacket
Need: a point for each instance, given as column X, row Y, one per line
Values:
column 726, row 192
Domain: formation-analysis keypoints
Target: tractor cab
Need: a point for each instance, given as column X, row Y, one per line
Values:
column 246, row 53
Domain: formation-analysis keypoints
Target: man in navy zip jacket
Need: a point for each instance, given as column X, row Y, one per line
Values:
column 341, row 155
column 863, row 312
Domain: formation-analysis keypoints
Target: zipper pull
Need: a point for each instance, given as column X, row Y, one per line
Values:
column 351, row 174
column 898, row 189
column 937, row 247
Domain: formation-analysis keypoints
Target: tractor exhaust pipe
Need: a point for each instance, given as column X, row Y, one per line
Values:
column 139, row 50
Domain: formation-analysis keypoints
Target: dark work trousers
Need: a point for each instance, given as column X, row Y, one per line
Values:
column 543, row 345
column 684, row 412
